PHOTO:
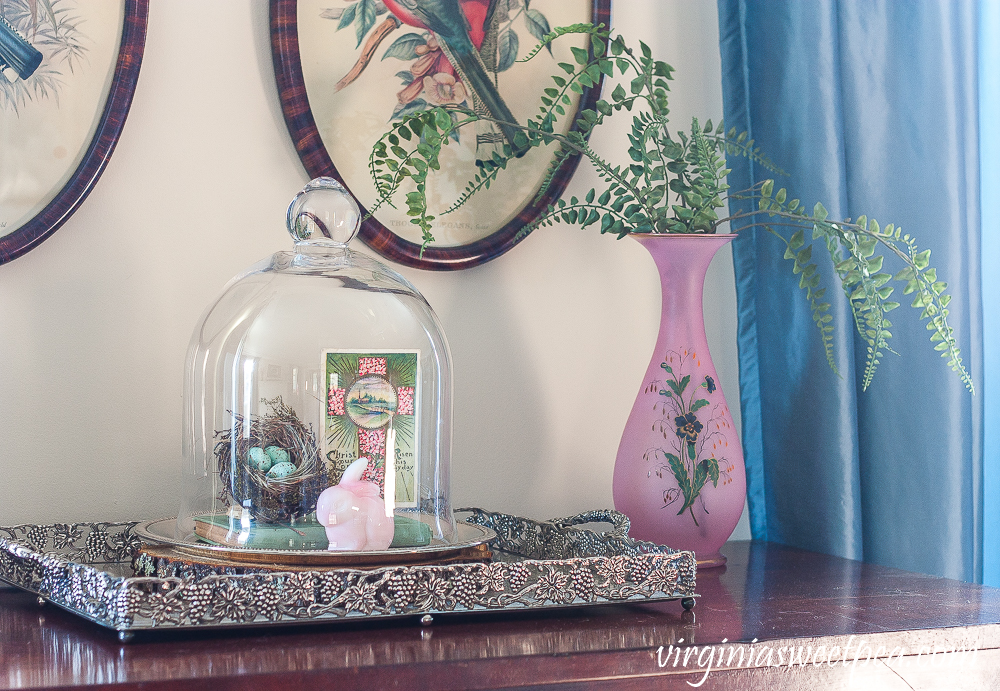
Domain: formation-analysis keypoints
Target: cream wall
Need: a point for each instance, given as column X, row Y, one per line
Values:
column 549, row 342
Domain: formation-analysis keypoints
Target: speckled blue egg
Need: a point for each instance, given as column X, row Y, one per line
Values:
column 259, row 459
column 277, row 454
column 280, row 470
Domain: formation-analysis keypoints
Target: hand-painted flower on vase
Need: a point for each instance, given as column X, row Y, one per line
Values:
column 688, row 427
column 692, row 459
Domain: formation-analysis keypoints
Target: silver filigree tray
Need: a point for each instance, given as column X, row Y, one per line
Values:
column 96, row 570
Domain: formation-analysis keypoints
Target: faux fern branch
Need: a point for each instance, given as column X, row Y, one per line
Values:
column 675, row 183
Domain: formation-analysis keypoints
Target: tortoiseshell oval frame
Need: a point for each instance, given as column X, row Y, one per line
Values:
column 102, row 144
column 317, row 161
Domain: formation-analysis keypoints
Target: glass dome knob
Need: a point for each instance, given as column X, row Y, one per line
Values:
column 323, row 213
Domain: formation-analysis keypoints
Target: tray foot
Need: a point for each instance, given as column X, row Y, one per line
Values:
column 688, row 603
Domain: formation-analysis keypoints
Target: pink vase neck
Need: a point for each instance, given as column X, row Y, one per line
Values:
column 682, row 262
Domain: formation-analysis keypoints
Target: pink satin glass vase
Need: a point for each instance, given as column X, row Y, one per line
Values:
column 679, row 474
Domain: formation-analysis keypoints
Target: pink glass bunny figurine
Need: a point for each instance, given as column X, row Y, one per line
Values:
column 354, row 514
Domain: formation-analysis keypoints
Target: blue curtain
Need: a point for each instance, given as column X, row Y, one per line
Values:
column 870, row 107
column 989, row 165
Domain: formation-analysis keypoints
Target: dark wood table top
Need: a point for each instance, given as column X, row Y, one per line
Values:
column 795, row 619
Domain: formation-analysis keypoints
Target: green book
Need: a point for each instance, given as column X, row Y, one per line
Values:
column 307, row 534
column 409, row 533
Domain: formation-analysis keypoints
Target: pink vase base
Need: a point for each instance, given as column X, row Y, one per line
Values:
column 711, row 561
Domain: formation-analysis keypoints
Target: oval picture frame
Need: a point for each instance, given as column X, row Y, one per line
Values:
column 317, row 160
column 102, row 143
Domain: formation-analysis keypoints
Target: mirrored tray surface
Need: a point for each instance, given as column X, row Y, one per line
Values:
column 470, row 542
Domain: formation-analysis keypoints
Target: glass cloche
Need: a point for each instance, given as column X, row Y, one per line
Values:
column 317, row 400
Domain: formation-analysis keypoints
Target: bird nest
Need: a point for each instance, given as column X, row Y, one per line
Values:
column 271, row 499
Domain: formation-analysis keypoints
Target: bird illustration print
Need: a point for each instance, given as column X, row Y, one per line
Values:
column 460, row 28
column 454, row 62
